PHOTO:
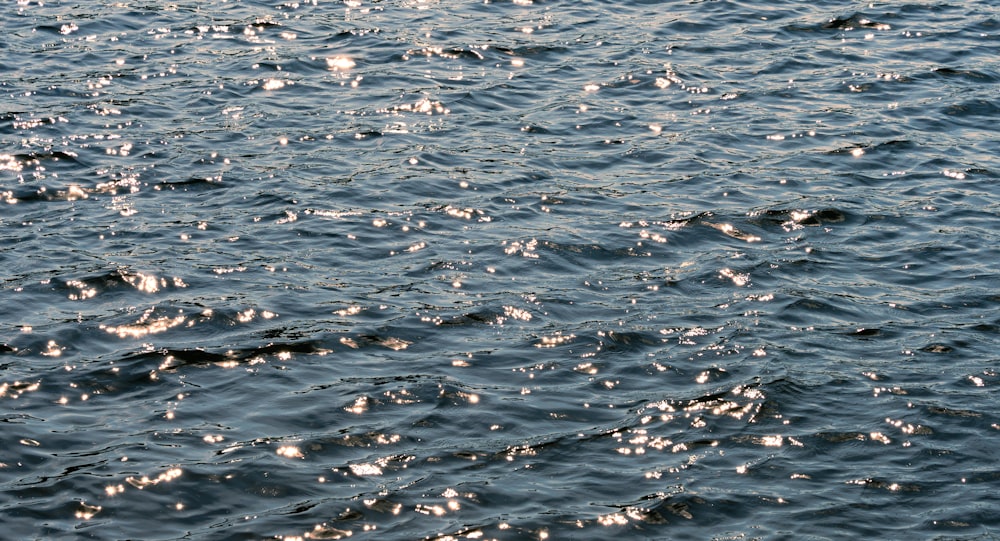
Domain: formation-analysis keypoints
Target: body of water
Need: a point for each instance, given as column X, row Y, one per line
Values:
column 529, row 269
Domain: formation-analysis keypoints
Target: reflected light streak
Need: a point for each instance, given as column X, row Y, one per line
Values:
column 614, row 519
column 772, row 441
column 352, row 310
column 739, row 279
column 74, row 192
column 516, row 313
column 87, row 512
column 17, row 388
column 395, row 344
column 655, row 237
column 908, row 428
column 527, row 249
column 148, row 283
column 435, row 510
column 363, row 470
column 359, row 406
column 880, row 437
column 553, row 341
column 426, row 106
column 586, row 368
column 732, row 231
column 83, row 290
column 52, row 349
column 145, row 481
column 144, row 326
column 9, row 163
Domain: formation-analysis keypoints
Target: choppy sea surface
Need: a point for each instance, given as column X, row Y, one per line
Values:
column 529, row 269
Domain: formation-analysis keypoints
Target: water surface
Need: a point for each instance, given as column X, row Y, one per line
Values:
column 411, row 269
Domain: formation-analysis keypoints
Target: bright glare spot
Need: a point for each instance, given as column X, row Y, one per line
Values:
column 858, row 152
column 435, row 510
column 880, row 437
column 289, row 451
column 739, row 279
column 74, row 192
column 772, row 441
column 395, row 344
column 52, row 349
column 363, row 470
column 87, row 512
column 273, row 84
column 339, row 63
column 359, row 406
column 614, row 519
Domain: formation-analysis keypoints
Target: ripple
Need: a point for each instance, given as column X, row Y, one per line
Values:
column 411, row 270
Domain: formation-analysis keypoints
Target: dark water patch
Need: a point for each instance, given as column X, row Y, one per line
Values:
column 854, row 21
column 972, row 108
column 964, row 74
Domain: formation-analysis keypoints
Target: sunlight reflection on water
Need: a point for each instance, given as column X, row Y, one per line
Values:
column 414, row 269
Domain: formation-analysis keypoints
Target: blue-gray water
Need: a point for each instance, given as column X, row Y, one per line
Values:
column 410, row 269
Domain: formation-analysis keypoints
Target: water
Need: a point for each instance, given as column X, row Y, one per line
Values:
column 411, row 269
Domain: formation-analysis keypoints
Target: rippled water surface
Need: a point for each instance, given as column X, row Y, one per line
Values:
column 529, row 269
